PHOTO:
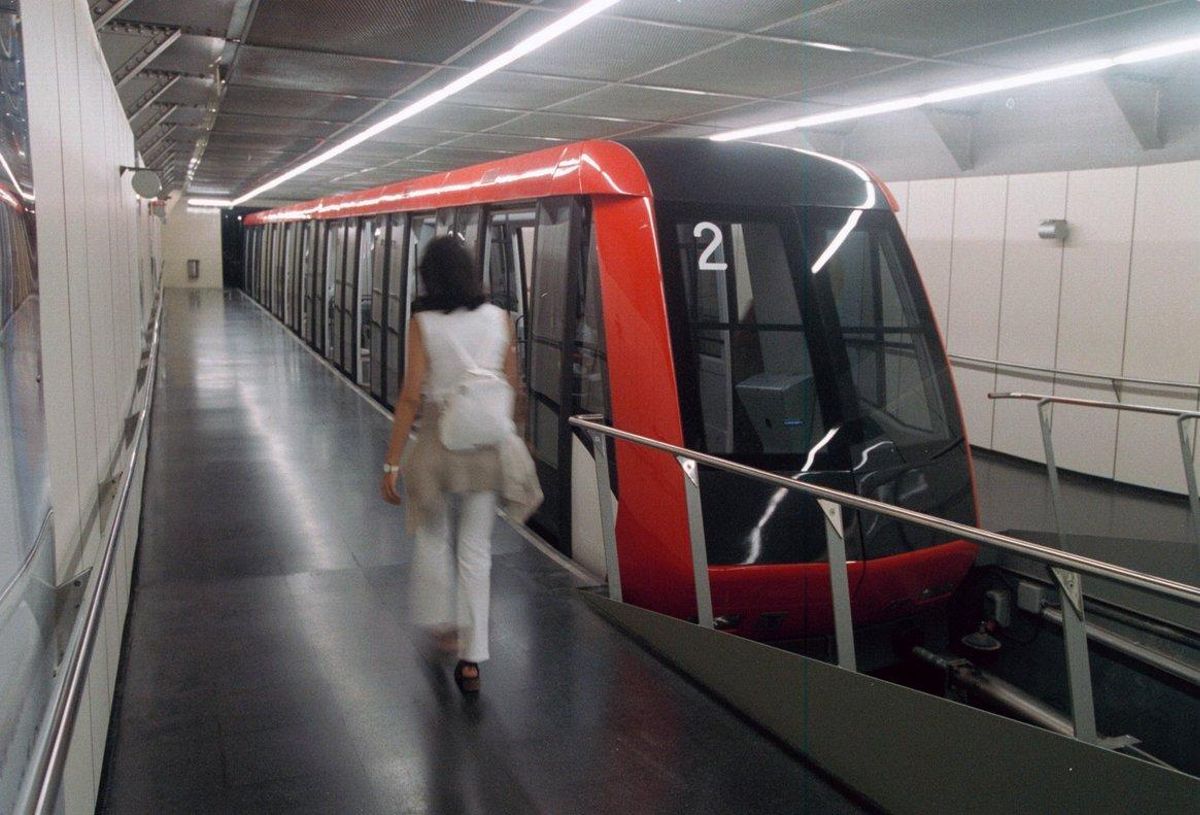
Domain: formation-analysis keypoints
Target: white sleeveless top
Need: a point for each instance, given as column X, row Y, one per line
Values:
column 482, row 335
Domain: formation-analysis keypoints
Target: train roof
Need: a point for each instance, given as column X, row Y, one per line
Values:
column 679, row 170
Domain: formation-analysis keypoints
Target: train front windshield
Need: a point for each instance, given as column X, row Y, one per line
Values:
column 810, row 350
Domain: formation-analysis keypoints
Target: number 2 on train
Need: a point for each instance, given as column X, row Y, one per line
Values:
column 705, row 263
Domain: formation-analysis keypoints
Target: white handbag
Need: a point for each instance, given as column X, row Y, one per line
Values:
column 478, row 412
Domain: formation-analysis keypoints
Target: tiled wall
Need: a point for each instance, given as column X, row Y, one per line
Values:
column 1120, row 296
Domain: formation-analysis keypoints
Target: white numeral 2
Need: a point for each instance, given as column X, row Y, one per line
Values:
column 706, row 264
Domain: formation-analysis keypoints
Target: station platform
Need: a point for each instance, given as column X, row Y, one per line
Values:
column 270, row 664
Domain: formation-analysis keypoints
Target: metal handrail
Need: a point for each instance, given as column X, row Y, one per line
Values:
column 996, row 363
column 1186, row 451
column 1065, row 567
column 1096, row 403
column 43, row 778
column 1054, row 557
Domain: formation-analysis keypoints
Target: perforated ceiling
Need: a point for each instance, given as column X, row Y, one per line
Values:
column 251, row 87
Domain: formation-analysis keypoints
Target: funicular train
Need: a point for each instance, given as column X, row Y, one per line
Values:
column 752, row 302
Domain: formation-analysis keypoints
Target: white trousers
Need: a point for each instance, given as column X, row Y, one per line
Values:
column 452, row 582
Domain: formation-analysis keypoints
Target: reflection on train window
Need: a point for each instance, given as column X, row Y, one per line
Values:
column 757, row 391
column 590, row 364
column 888, row 348
column 548, row 301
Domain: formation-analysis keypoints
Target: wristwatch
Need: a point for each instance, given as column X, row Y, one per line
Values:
column 391, row 468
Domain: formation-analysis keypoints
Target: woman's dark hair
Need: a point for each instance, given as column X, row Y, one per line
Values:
column 450, row 277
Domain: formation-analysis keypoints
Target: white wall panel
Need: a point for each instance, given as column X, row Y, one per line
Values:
column 975, row 282
column 1162, row 330
column 929, row 228
column 1028, row 307
column 94, row 244
column 191, row 233
column 1091, row 322
column 48, row 172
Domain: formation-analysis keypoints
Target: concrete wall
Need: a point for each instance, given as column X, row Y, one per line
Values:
column 97, row 245
column 188, row 233
column 1120, row 296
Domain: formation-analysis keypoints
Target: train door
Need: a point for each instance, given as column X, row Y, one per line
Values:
column 296, row 292
column 393, row 309
column 306, row 280
column 277, row 271
column 289, row 259
column 267, row 261
column 335, row 264
column 377, row 307
column 320, row 272
column 364, row 266
column 551, row 321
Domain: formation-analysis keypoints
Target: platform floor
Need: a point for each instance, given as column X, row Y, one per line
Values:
column 270, row 664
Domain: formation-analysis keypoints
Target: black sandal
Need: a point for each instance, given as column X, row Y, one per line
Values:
column 466, row 684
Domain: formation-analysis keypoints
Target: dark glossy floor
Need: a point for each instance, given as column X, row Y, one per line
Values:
column 270, row 666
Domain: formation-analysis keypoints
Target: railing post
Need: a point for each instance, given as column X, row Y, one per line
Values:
column 1070, row 590
column 691, row 485
column 839, row 584
column 1044, row 407
column 1189, row 471
column 607, row 515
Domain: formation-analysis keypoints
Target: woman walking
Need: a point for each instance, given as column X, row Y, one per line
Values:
column 462, row 364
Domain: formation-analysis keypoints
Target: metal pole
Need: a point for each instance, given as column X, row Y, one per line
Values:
column 1044, row 408
column 1070, row 590
column 607, row 516
column 839, row 584
column 1189, row 471
column 691, row 484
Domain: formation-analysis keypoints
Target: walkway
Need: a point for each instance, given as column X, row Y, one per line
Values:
column 270, row 666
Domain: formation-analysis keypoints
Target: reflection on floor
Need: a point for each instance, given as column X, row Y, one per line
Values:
column 271, row 666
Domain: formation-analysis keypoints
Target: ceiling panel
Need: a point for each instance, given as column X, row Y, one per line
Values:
column 188, row 91
column 914, row 78
column 414, row 30
column 501, row 142
column 329, row 73
column 448, row 116
column 190, row 55
column 287, row 102
column 523, row 91
column 728, row 14
column 615, row 49
column 209, row 17
column 236, row 123
column 634, row 102
column 564, row 127
column 1098, row 37
column 758, row 68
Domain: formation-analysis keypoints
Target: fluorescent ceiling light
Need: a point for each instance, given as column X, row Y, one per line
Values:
column 220, row 203
column 530, row 44
column 1022, row 80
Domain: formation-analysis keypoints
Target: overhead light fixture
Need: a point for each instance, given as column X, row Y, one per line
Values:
column 528, row 45
column 218, row 203
column 1043, row 75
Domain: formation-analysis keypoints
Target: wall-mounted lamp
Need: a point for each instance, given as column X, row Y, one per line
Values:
column 145, row 181
column 1053, row 229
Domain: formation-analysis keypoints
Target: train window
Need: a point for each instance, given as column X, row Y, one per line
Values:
column 376, row 306
column 394, row 352
column 335, row 260
column 590, row 365
column 757, row 389
column 506, row 264
column 466, row 225
column 421, row 230
column 890, row 355
column 307, row 231
column 289, row 258
column 444, row 221
column 546, row 330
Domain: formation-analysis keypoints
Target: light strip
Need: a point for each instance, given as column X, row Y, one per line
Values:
column 1090, row 66
column 530, row 44
column 220, row 203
